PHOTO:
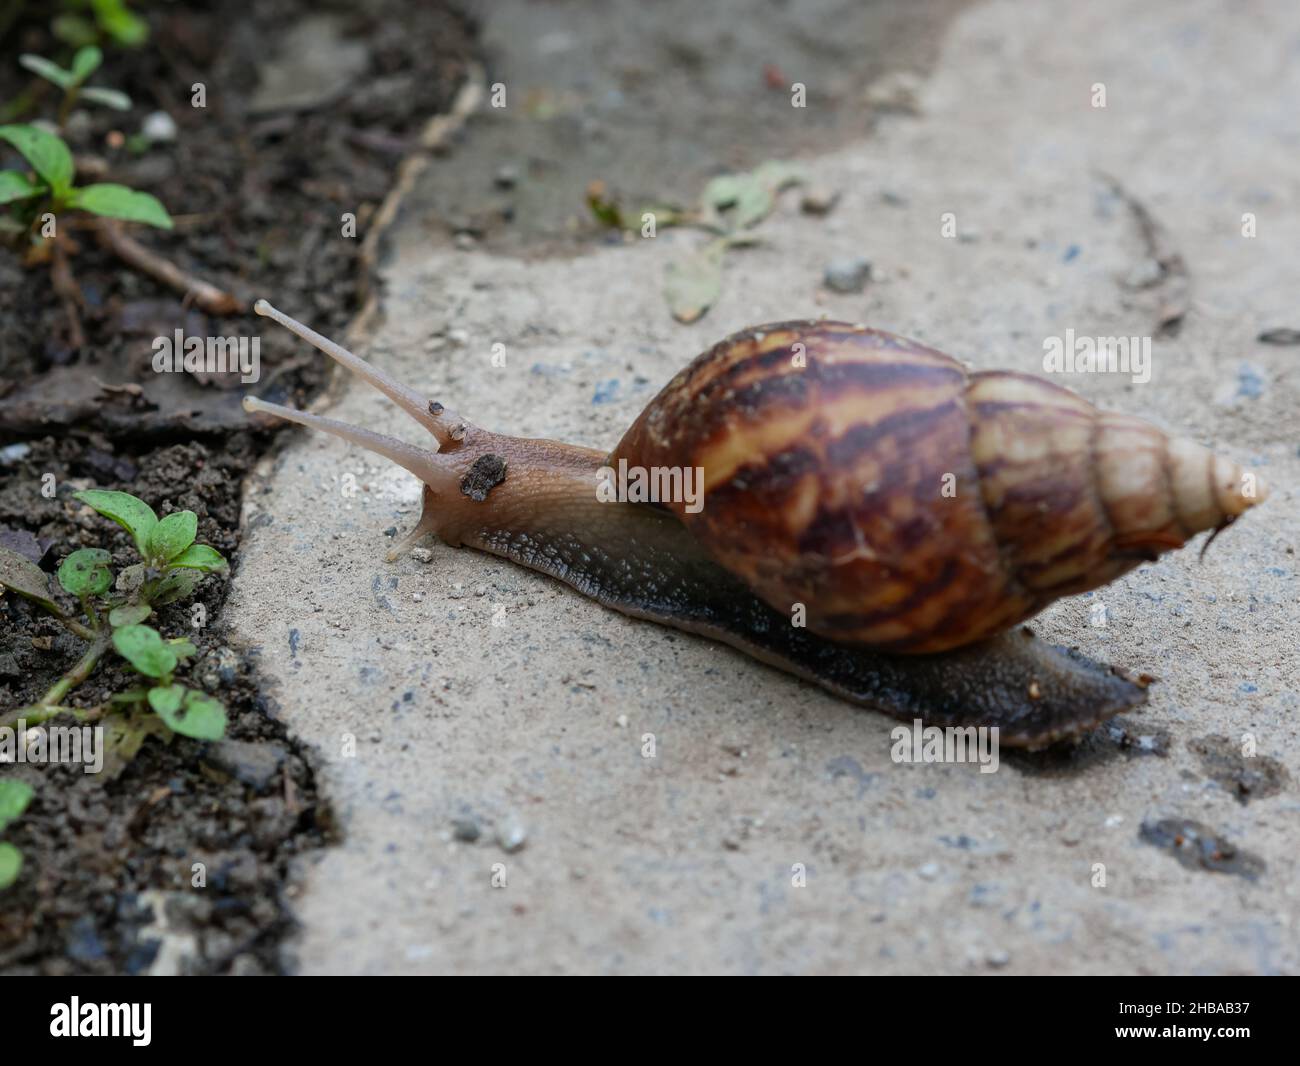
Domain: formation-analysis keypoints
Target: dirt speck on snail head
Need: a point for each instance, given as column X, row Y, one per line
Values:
column 486, row 474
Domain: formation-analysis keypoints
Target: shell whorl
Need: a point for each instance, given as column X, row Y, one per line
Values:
column 908, row 503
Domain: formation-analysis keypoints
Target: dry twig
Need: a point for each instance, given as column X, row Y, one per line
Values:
column 208, row 297
column 70, row 295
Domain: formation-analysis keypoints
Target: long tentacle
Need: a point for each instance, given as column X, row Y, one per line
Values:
column 447, row 428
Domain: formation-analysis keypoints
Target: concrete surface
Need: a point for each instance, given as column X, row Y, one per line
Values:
column 683, row 862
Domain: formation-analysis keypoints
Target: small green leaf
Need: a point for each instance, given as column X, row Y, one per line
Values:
column 195, row 714
column 747, row 199
column 117, row 201
column 118, row 22
column 14, row 797
column 16, row 186
column 166, row 699
column 177, row 585
column 144, row 649
column 777, row 174
column 21, row 575
column 754, row 205
column 85, row 63
column 744, row 194
column 74, row 30
column 132, row 514
column 200, row 557
column 183, row 648
column 85, row 572
column 64, row 79
column 46, row 153
column 128, row 614
column 108, row 97
column 11, row 865
column 173, row 535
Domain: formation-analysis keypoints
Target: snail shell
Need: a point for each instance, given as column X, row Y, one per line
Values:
column 910, row 504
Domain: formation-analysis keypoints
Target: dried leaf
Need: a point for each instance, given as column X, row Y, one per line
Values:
column 692, row 285
column 27, row 579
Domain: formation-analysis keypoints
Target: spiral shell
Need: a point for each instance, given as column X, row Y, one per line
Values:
column 907, row 503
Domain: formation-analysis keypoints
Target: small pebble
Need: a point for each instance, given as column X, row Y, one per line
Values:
column 422, row 555
column 848, row 275
column 511, row 836
column 1279, row 336
column 507, row 176
column 998, row 957
column 621, row 721
column 466, row 829
column 1250, row 383
column 159, row 127
column 819, row 201
column 929, row 871
column 895, row 91
column 1145, row 274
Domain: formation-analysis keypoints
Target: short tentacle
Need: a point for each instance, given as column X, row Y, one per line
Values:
column 437, row 474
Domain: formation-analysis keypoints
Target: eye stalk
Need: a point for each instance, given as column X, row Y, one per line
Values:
column 447, row 428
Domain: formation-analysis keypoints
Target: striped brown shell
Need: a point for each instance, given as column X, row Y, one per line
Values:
column 908, row 503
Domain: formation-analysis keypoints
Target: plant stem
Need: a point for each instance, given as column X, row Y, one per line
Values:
column 208, row 297
column 40, row 712
column 49, row 704
column 73, row 626
column 65, row 109
column 66, row 286
column 77, row 674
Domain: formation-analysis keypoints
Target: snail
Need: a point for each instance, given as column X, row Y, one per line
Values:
column 911, row 513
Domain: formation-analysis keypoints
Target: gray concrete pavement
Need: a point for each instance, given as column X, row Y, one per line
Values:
column 683, row 862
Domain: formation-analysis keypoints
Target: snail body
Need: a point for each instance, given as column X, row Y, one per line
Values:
column 876, row 518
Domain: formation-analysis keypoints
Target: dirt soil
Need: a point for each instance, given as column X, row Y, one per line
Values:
column 257, row 182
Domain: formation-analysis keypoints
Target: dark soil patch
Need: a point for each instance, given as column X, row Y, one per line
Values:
column 110, row 865
column 1245, row 777
column 1198, row 847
